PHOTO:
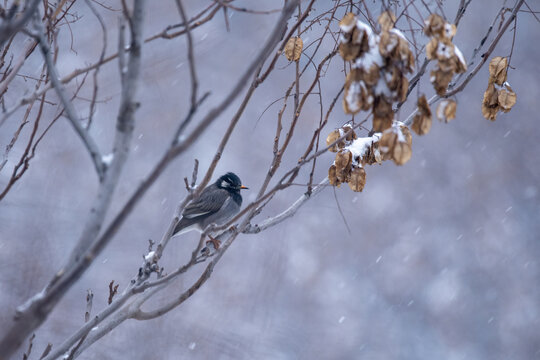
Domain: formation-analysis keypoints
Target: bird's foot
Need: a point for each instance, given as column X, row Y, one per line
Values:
column 214, row 242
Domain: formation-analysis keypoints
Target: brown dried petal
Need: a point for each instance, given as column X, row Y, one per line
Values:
column 293, row 48
column 387, row 20
column 497, row 69
column 357, row 179
column 349, row 51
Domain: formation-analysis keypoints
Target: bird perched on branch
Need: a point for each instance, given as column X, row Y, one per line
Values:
column 217, row 204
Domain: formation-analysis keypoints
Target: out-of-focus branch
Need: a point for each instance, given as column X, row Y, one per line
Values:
column 191, row 59
column 31, row 314
column 10, row 26
column 70, row 111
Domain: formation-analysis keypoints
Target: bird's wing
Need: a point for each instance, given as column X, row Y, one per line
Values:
column 208, row 203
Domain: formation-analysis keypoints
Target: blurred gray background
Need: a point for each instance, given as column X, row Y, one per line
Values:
column 441, row 261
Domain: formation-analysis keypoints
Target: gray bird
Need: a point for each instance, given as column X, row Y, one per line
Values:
column 217, row 204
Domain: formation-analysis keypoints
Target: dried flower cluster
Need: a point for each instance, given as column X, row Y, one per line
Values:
column 379, row 64
column 499, row 96
column 449, row 58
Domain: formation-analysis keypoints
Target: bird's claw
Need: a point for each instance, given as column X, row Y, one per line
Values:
column 214, row 242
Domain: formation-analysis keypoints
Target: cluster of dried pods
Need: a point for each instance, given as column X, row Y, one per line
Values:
column 449, row 58
column 499, row 96
column 377, row 79
column 378, row 67
column 353, row 153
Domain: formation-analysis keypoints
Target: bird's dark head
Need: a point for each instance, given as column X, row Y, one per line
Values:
column 230, row 181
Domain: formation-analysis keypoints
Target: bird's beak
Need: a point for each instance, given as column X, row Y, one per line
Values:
column 243, row 187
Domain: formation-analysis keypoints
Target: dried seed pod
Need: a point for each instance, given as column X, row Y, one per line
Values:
column 406, row 134
column 388, row 43
column 331, row 138
column 343, row 160
column 357, row 179
column 371, row 76
column 491, row 97
column 348, row 22
column 406, row 55
column 446, row 110
column 347, row 129
column 449, row 31
column 506, row 98
column 387, row 142
column 349, row 51
column 489, row 113
column 422, row 120
column 387, row 19
column 382, row 114
column 497, row 69
column 401, row 153
column 435, row 26
column 332, row 177
column 440, row 80
column 293, row 48
column 431, row 48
